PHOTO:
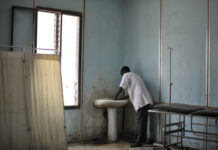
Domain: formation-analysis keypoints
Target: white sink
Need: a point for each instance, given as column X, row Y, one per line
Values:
column 111, row 106
column 110, row 103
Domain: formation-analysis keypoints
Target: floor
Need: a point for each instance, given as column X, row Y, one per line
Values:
column 109, row 146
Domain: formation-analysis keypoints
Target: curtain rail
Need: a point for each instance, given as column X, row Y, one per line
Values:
column 25, row 48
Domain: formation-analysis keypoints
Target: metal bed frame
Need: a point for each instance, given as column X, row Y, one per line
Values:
column 181, row 130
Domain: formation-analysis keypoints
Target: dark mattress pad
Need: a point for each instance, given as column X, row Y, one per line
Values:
column 178, row 108
column 209, row 112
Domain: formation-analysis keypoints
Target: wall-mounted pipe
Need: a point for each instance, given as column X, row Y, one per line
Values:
column 7, row 46
column 34, row 3
column 207, row 66
column 160, row 65
column 208, row 55
column 34, row 25
column 82, row 69
column 160, row 54
column 170, row 84
column 27, row 48
column 170, row 76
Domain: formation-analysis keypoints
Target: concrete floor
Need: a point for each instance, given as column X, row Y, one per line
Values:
column 110, row 146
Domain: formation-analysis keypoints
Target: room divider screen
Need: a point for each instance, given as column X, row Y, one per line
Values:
column 31, row 103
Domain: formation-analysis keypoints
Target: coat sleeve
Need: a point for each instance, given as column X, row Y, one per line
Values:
column 124, row 82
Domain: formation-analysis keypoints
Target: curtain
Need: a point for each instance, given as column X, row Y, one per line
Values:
column 31, row 103
column 13, row 110
column 45, row 93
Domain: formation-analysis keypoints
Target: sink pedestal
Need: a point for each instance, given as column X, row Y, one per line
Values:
column 112, row 124
column 111, row 106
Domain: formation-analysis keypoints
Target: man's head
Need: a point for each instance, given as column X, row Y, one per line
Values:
column 124, row 70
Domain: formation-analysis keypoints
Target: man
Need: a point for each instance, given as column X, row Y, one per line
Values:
column 140, row 98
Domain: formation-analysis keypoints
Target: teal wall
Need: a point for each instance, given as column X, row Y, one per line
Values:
column 141, row 49
column 183, row 28
column 141, row 40
column 5, row 18
column 126, row 32
column 214, row 53
column 102, row 61
column 73, row 5
column 102, row 57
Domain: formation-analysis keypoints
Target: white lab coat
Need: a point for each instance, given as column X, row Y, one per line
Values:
column 138, row 93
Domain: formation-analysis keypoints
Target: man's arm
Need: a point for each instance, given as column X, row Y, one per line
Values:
column 118, row 93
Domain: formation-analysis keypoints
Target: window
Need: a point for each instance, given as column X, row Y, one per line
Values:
column 59, row 33
column 47, row 32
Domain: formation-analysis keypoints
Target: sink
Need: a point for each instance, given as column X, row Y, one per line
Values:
column 111, row 106
column 110, row 103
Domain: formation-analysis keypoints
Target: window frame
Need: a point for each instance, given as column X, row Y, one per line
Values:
column 73, row 13
column 78, row 14
column 34, row 45
column 34, row 12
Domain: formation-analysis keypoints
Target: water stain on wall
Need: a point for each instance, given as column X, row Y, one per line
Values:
column 94, row 119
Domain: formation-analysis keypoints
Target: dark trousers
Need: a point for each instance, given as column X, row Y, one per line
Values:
column 142, row 117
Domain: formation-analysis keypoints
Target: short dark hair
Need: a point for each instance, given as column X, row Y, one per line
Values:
column 125, row 68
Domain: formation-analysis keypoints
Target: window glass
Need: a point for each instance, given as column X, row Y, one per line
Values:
column 69, row 59
column 51, row 27
column 46, row 32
